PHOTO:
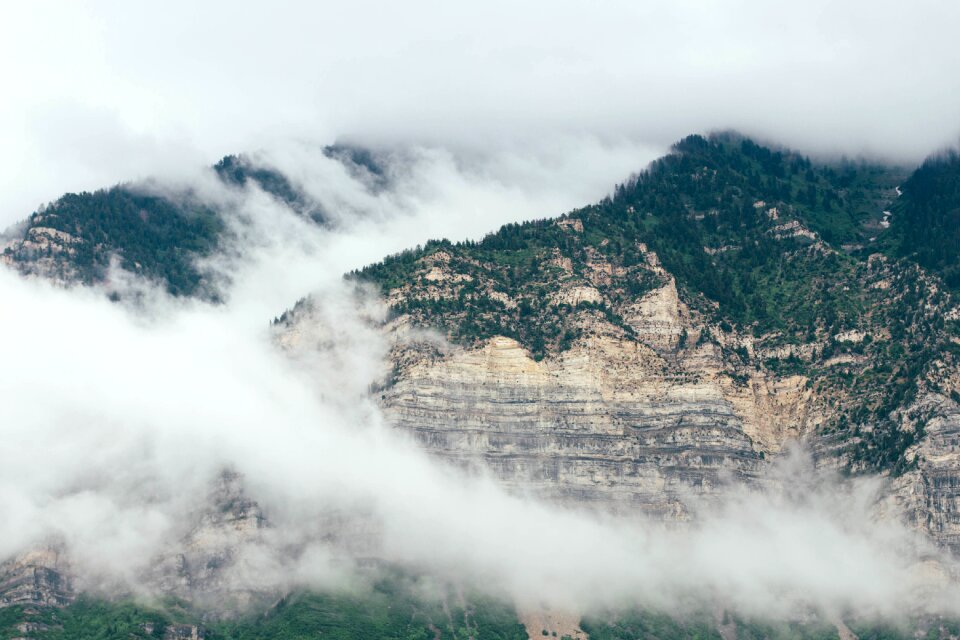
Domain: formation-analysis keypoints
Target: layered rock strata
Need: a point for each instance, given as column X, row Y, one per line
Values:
column 636, row 423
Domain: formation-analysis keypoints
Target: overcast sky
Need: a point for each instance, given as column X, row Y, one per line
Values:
column 97, row 92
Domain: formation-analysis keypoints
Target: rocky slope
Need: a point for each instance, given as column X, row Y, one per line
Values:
column 40, row 577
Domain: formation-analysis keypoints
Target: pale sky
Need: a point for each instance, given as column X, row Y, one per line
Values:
column 98, row 92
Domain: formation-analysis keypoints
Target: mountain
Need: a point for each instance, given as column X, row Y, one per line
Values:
column 697, row 320
column 665, row 343
column 157, row 234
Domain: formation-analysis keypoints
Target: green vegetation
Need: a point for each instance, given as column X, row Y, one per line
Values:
column 396, row 606
column 10, row 617
column 934, row 628
column 92, row 618
column 362, row 163
column 650, row 625
column 385, row 613
column 719, row 215
column 733, row 221
column 101, row 620
column 158, row 237
column 755, row 629
column 507, row 285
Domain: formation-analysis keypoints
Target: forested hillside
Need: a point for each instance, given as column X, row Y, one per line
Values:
column 925, row 226
column 75, row 238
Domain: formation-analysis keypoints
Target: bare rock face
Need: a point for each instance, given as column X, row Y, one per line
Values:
column 635, row 426
column 39, row 577
column 776, row 410
column 176, row 631
column 42, row 252
column 542, row 622
column 198, row 568
column 613, row 421
column 659, row 316
column 605, row 422
column 644, row 415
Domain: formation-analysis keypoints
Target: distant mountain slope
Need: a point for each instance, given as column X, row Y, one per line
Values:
column 788, row 259
column 738, row 225
column 240, row 170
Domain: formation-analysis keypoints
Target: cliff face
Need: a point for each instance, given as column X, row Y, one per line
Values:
column 198, row 568
column 40, row 577
column 633, row 424
column 641, row 424
column 201, row 566
column 652, row 403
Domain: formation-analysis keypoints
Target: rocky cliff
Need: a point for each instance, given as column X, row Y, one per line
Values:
column 40, row 577
column 612, row 419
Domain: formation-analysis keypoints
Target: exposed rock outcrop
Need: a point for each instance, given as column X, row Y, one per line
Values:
column 38, row 577
column 636, row 422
